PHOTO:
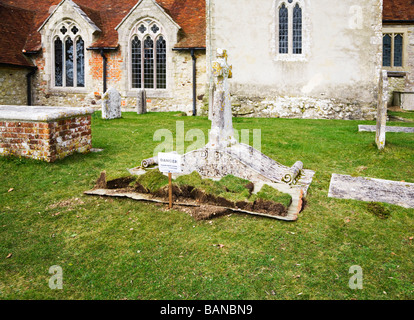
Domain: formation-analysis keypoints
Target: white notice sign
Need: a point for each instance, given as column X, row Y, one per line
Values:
column 169, row 162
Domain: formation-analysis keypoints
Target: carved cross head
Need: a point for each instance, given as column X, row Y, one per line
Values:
column 221, row 68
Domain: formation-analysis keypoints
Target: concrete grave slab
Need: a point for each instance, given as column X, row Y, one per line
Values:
column 372, row 190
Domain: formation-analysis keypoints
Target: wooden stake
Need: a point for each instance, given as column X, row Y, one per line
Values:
column 170, row 189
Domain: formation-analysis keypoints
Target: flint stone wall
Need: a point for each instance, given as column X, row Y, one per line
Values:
column 301, row 107
column 13, row 87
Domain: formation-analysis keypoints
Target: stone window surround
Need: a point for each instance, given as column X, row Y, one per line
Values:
column 69, row 24
column 404, row 32
column 148, row 9
column 290, row 5
column 49, row 36
column 148, row 22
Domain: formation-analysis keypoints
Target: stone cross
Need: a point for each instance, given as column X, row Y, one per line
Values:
column 111, row 105
column 222, row 133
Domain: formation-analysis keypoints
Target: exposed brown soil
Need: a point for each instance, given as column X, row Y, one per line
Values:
column 210, row 205
column 200, row 205
column 119, row 183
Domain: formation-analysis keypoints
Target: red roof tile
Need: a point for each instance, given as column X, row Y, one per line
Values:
column 107, row 14
column 14, row 35
column 398, row 10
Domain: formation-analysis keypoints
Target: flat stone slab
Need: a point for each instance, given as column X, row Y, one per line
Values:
column 41, row 114
column 372, row 190
column 365, row 128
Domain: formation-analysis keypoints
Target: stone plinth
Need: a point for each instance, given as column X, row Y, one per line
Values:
column 44, row 133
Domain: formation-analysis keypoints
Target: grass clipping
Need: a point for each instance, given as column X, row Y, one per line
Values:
column 214, row 197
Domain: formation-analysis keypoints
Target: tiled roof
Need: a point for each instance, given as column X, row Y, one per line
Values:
column 26, row 16
column 398, row 10
column 13, row 35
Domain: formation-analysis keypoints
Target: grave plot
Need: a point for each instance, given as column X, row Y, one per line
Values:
column 204, row 199
column 372, row 190
column 44, row 133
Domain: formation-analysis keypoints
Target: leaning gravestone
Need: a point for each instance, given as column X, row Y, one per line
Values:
column 382, row 110
column 142, row 102
column 111, row 105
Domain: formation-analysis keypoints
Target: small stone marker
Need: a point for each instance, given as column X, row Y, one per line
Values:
column 372, row 190
column 111, row 105
column 142, row 102
column 382, row 110
column 365, row 128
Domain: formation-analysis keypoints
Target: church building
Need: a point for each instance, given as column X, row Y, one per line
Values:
column 291, row 58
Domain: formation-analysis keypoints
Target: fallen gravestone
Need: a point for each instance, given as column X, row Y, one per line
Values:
column 366, row 128
column 372, row 190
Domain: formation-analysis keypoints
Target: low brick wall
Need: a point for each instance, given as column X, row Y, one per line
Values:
column 44, row 134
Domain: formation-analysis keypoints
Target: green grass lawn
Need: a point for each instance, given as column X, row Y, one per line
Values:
column 122, row 249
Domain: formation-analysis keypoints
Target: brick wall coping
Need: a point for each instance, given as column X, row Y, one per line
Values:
column 41, row 114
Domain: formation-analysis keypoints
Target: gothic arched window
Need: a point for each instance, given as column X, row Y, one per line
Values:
column 148, row 56
column 297, row 30
column 289, row 26
column 283, row 29
column 69, row 55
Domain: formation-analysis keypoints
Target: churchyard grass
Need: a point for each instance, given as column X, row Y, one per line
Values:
column 122, row 249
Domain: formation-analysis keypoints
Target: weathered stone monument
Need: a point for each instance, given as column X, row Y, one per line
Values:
column 223, row 155
column 222, row 133
column 111, row 104
column 141, row 102
column 382, row 110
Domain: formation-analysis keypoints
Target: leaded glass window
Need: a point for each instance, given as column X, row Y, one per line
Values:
column 148, row 56
column 80, row 63
column 136, row 62
column 58, row 62
column 69, row 58
column 393, row 50
column 398, row 50
column 297, row 30
column 148, row 63
column 283, row 29
column 69, row 62
column 290, row 30
column 161, row 63
column 386, row 50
